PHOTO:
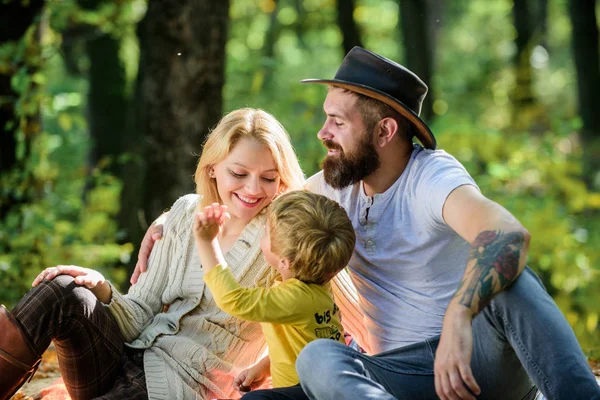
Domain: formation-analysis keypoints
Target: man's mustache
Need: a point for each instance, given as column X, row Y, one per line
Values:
column 331, row 145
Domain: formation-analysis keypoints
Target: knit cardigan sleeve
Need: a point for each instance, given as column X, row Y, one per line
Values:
column 135, row 310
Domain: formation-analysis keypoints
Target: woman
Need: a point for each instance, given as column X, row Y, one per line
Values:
column 186, row 350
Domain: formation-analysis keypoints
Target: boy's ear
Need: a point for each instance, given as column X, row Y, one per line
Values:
column 284, row 263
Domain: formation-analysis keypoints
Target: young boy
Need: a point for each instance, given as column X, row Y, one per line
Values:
column 308, row 240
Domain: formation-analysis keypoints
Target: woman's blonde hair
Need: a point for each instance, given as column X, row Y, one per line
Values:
column 313, row 232
column 253, row 124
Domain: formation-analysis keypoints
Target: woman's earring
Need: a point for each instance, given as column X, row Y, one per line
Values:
column 211, row 173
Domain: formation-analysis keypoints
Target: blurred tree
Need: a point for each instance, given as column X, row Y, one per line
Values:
column 269, row 47
column 107, row 96
column 542, row 21
column 19, row 121
column 114, row 139
column 586, row 54
column 181, row 75
column 420, row 24
column 350, row 31
column 525, row 27
column 530, row 21
column 299, row 27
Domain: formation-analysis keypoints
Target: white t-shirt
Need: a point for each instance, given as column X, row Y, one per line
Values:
column 407, row 262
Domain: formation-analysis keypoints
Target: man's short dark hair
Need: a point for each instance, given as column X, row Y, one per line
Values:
column 372, row 111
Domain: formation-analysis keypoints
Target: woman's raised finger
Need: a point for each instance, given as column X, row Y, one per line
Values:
column 47, row 274
column 39, row 278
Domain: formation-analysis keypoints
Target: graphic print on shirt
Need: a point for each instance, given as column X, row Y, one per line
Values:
column 328, row 331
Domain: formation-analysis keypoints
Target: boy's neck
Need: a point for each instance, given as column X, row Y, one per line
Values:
column 287, row 274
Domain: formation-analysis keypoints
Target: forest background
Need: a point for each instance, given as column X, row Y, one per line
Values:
column 104, row 105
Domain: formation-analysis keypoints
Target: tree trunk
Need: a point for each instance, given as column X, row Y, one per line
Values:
column 420, row 27
column 350, row 32
column 132, row 218
column 530, row 18
column 15, row 19
column 542, row 21
column 107, row 100
column 271, row 36
column 299, row 25
column 585, row 51
column 182, row 75
column 522, row 17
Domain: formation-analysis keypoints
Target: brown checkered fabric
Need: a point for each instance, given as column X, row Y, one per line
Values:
column 88, row 343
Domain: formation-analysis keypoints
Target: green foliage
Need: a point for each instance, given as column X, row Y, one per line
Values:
column 62, row 211
column 57, row 230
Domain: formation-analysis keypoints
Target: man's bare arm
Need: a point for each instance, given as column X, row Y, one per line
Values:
column 499, row 245
column 494, row 263
column 154, row 233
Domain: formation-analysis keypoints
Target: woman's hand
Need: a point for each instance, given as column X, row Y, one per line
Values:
column 87, row 277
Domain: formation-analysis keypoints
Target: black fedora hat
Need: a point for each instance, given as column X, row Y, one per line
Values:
column 372, row 75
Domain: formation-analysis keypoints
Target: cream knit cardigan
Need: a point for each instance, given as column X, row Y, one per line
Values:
column 193, row 350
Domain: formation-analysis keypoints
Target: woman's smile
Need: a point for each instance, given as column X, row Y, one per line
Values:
column 248, row 201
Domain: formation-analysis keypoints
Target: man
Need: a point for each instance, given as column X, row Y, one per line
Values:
column 438, row 287
column 424, row 229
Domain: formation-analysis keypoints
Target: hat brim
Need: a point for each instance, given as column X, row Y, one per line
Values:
column 423, row 133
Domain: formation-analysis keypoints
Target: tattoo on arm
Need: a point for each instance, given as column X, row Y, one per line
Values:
column 494, row 261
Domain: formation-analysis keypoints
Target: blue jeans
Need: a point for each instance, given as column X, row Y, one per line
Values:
column 520, row 341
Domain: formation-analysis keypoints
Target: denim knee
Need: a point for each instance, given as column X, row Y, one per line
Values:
column 526, row 289
column 318, row 360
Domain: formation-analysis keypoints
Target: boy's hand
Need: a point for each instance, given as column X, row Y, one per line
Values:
column 208, row 223
column 249, row 379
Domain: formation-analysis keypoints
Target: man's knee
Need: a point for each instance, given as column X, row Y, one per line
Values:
column 318, row 358
column 310, row 353
column 525, row 289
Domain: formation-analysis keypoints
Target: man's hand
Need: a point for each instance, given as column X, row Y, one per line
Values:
column 253, row 377
column 209, row 222
column 89, row 278
column 154, row 233
column 453, row 375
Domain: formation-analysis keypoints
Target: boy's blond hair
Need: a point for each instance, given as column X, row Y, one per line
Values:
column 313, row 232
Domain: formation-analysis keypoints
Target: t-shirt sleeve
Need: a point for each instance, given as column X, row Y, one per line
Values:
column 136, row 309
column 316, row 183
column 437, row 176
column 279, row 304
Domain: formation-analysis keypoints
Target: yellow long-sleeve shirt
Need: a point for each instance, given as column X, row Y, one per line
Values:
column 292, row 313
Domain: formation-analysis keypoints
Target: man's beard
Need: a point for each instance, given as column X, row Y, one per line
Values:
column 344, row 169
